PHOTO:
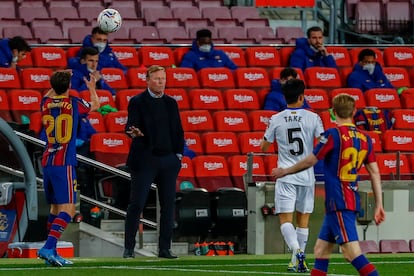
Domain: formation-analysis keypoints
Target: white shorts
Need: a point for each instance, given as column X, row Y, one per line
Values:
column 287, row 196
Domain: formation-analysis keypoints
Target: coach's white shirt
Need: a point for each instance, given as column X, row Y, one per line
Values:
column 294, row 130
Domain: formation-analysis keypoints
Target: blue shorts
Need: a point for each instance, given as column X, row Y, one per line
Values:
column 339, row 227
column 60, row 184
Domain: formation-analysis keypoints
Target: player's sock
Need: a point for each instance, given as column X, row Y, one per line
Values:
column 320, row 268
column 56, row 230
column 291, row 239
column 364, row 267
column 50, row 220
column 302, row 234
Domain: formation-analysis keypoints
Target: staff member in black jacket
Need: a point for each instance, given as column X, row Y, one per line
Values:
column 155, row 157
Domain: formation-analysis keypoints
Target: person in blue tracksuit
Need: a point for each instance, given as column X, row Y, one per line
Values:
column 203, row 55
column 13, row 50
column 85, row 65
column 99, row 40
column 368, row 73
column 311, row 51
column 275, row 100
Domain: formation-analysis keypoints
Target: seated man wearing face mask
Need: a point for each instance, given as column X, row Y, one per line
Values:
column 87, row 64
column 203, row 55
column 310, row 51
column 99, row 40
column 367, row 73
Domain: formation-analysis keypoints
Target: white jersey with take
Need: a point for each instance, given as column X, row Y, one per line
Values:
column 294, row 130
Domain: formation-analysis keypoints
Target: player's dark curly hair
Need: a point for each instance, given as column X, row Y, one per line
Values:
column 60, row 81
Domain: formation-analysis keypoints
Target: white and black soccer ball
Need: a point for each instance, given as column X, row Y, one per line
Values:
column 109, row 20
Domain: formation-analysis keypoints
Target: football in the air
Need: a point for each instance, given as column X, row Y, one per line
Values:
column 109, row 20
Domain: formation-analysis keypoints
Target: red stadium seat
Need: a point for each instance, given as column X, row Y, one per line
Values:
column 123, row 96
column 398, row 56
column 193, row 141
column 46, row 33
column 77, row 34
column 284, row 54
column 220, row 142
column 270, row 163
column 382, row 98
column 211, row 172
column 36, row 78
column 110, row 148
column 9, row 78
column 251, row 77
column 72, row 51
column 116, row 121
column 250, row 142
column 184, row 13
column 387, row 164
column 403, row 119
column 186, row 173
column 344, row 73
column 317, row 99
column 35, row 124
column 137, row 77
column 289, row 33
column 215, row 12
column 126, row 55
column 356, row 93
column 151, row 14
column 196, row 120
column 243, row 13
column 170, row 33
column 179, row 53
column 23, row 103
column 114, row 77
column 181, row 97
column 235, row 53
column 205, row 98
column 368, row 17
column 341, row 55
column 368, row 246
column 243, row 99
column 4, row 107
column 398, row 76
column 322, row 77
column 159, row 55
column 262, row 57
column 97, row 121
column 143, row 33
column 398, row 140
column 376, row 140
column 27, row 61
column 407, row 98
column 231, row 120
column 394, row 246
column 259, row 119
column 353, row 52
column 238, row 168
column 182, row 78
column 327, row 120
column 259, row 34
column 54, row 57
column 219, row 78
column 105, row 97
column 255, row 22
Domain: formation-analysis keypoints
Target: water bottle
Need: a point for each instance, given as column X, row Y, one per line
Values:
column 95, row 216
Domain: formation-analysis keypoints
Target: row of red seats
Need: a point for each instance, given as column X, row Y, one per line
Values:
column 387, row 246
column 266, row 56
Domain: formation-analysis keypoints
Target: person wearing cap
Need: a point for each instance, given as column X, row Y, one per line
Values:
column 204, row 55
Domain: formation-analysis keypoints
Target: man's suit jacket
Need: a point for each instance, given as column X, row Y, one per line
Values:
column 140, row 115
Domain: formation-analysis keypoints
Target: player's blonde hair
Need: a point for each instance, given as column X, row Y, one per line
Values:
column 343, row 105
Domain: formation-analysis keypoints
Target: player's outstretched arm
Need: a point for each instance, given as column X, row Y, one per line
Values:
column 91, row 84
column 373, row 171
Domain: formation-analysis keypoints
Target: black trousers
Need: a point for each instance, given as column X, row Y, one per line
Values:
column 163, row 171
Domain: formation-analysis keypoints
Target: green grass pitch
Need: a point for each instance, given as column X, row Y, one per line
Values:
column 387, row 264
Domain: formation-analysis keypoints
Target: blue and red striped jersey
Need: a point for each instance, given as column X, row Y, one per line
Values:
column 344, row 150
column 60, row 118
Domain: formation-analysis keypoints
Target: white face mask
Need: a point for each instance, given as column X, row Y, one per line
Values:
column 100, row 45
column 205, row 48
column 90, row 69
column 370, row 67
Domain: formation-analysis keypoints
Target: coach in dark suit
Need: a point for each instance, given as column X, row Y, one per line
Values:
column 155, row 157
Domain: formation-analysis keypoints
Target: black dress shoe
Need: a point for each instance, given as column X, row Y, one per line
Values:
column 166, row 253
column 128, row 253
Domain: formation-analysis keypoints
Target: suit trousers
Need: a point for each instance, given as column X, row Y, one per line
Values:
column 163, row 171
